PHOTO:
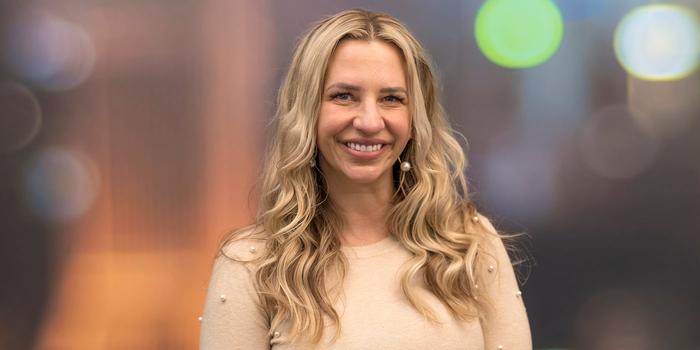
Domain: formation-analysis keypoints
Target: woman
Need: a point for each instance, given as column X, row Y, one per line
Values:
column 366, row 237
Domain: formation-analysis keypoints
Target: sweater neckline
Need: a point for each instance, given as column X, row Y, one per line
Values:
column 372, row 249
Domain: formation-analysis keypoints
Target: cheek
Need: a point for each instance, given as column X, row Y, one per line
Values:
column 322, row 122
column 400, row 125
column 326, row 131
column 330, row 123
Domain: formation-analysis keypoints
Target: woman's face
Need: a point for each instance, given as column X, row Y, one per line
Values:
column 364, row 121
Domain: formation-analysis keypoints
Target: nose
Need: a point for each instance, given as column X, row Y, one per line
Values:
column 370, row 120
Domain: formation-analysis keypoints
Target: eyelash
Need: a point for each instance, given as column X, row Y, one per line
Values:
column 396, row 98
column 336, row 95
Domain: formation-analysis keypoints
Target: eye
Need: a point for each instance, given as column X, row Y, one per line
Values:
column 393, row 98
column 342, row 96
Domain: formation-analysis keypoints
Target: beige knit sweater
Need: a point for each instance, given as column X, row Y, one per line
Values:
column 374, row 314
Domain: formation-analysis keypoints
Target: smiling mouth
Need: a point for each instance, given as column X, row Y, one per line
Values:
column 364, row 148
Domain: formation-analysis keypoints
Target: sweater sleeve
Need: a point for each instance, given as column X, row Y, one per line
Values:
column 505, row 324
column 232, row 316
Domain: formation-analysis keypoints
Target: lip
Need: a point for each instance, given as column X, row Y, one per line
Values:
column 364, row 155
column 363, row 141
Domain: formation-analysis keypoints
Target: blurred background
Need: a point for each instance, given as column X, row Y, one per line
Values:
column 132, row 132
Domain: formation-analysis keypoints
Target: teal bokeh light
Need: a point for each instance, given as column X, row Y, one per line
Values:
column 658, row 42
column 518, row 33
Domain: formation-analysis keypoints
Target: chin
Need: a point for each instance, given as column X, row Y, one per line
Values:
column 363, row 176
column 363, row 180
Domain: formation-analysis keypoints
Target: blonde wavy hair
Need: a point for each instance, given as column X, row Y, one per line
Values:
column 431, row 214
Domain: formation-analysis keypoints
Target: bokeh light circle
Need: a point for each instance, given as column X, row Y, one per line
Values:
column 614, row 146
column 518, row 179
column 48, row 51
column 517, row 33
column 664, row 110
column 20, row 116
column 658, row 42
column 60, row 184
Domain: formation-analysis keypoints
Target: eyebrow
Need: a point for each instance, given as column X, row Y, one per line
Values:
column 350, row 87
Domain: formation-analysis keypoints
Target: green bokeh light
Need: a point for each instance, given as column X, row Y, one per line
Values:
column 518, row 33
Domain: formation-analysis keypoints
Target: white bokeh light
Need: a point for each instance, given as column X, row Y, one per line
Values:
column 658, row 42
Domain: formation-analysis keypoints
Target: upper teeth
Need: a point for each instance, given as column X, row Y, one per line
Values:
column 364, row 148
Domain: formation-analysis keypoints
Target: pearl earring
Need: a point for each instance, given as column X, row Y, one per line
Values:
column 312, row 163
column 405, row 166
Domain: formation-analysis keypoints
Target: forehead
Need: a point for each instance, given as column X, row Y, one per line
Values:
column 366, row 62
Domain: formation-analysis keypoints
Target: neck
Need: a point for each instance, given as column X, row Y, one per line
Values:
column 363, row 208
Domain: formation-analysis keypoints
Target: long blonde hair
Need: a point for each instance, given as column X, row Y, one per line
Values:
column 430, row 215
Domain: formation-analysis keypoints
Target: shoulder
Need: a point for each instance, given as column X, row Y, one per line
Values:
column 505, row 323
column 492, row 246
column 235, row 263
column 233, row 315
column 507, row 245
column 491, row 235
column 243, row 249
column 244, row 245
column 501, row 254
column 486, row 223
